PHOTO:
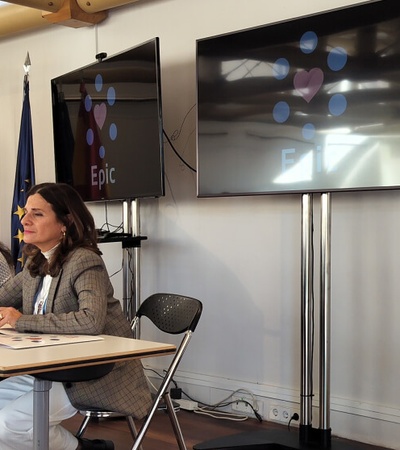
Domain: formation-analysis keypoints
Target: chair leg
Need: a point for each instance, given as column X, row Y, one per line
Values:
column 174, row 421
column 145, row 424
column 83, row 426
column 133, row 429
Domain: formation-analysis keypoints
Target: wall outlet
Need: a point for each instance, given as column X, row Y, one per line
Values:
column 243, row 405
column 279, row 413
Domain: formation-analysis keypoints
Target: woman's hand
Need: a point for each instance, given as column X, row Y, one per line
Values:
column 9, row 316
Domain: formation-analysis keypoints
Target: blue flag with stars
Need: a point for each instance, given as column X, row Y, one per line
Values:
column 24, row 179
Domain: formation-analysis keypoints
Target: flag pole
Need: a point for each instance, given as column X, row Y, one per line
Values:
column 27, row 66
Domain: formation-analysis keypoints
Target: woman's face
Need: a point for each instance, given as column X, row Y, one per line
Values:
column 41, row 226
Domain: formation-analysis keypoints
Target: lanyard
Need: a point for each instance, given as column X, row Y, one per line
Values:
column 43, row 293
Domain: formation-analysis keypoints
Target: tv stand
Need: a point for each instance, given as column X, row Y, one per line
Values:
column 308, row 438
column 127, row 240
column 280, row 440
column 131, row 242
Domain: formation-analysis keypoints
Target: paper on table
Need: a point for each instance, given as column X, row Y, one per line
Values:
column 9, row 337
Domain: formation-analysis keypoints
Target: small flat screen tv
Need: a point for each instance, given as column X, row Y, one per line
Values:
column 306, row 105
column 107, row 122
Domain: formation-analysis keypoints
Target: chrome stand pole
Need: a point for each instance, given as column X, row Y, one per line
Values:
column 306, row 314
column 325, row 320
column 135, row 220
column 126, row 261
column 131, row 261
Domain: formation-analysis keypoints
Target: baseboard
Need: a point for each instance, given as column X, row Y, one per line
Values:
column 351, row 419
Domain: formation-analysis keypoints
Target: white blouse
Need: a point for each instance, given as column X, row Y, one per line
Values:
column 43, row 293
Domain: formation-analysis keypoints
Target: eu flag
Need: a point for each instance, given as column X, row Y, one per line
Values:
column 24, row 178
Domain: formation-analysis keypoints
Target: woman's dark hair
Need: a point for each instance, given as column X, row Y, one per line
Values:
column 70, row 210
column 5, row 251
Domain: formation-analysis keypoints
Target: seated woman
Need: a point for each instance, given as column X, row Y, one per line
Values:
column 64, row 288
column 6, row 264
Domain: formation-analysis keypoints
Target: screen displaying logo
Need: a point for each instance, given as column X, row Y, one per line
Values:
column 101, row 174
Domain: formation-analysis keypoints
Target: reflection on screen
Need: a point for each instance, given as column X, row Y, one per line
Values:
column 302, row 106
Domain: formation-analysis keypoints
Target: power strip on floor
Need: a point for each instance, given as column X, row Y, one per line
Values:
column 188, row 405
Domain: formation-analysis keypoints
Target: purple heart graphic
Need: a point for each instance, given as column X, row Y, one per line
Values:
column 100, row 114
column 308, row 83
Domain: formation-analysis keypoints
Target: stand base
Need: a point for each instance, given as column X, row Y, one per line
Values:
column 272, row 440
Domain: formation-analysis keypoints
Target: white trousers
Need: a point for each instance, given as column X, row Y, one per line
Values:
column 16, row 415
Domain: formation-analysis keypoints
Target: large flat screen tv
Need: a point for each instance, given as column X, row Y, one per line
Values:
column 107, row 122
column 302, row 106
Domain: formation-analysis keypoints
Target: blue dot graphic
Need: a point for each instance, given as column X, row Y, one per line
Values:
column 98, row 82
column 308, row 131
column 90, row 136
column 113, row 131
column 281, row 112
column 337, row 59
column 280, row 68
column 102, row 152
column 310, row 81
column 111, row 96
column 308, row 42
column 88, row 103
column 337, row 104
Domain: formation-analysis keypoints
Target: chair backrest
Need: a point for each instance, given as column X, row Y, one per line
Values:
column 171, row 313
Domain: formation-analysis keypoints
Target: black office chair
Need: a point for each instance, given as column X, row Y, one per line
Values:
column 172, row 314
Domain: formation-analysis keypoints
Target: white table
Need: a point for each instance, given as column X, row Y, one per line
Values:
column 59, row 357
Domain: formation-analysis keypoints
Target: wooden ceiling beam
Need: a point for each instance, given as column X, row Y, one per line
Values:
column 45, row 5
column 24, row 15
column 71, row 15
column 92, row 6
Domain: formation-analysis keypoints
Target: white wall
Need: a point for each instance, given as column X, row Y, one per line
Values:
column 240, row 256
